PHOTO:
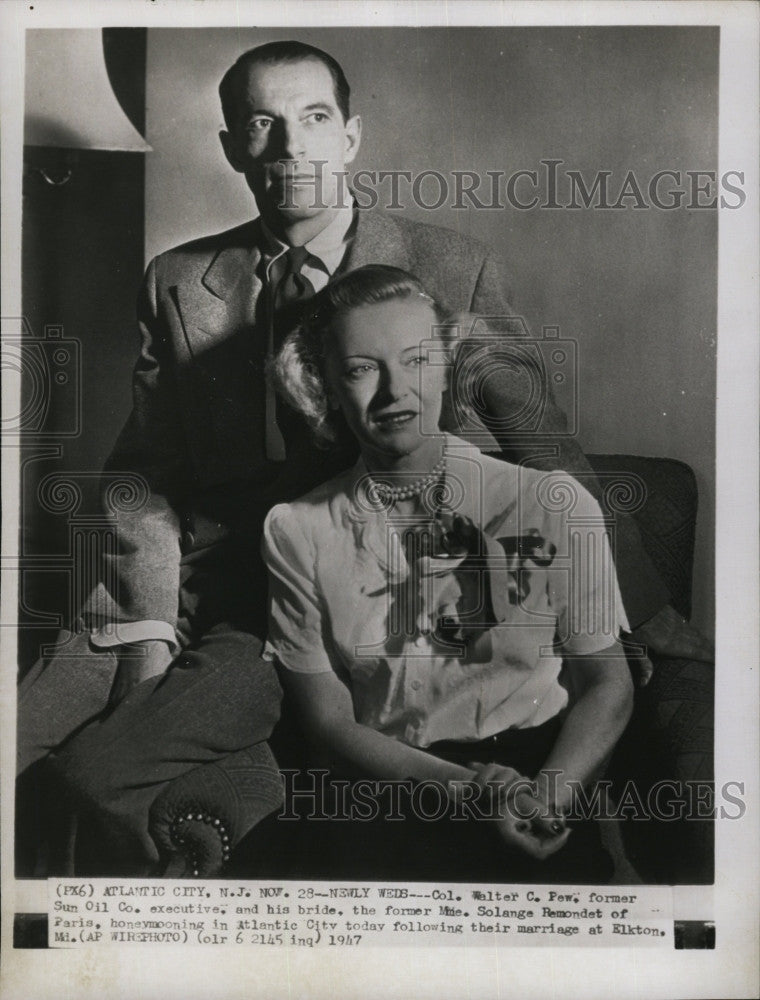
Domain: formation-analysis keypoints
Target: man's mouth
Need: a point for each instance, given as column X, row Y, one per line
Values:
column 295, row 182
column 398, row 418
column 282, row 174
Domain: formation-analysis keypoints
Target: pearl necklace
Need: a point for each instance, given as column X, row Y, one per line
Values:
column 390, row 493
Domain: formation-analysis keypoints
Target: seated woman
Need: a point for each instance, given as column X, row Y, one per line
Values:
column 423, row 601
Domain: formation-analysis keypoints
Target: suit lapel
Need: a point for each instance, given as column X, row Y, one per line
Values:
column 223, row 304
column 378, row 240
column 225, row 300
column 227, row 342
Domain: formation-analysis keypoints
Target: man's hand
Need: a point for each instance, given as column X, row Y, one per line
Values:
column 138, row 662
column 668, row 634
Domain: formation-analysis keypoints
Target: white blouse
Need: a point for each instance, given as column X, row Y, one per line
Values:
column 345, row 598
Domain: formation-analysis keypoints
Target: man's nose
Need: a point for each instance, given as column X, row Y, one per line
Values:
column 293, row 143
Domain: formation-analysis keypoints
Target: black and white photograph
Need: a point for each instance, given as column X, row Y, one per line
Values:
column 380, row 397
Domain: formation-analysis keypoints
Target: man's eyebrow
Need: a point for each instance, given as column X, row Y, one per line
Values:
column 258, row 112
column 319, row 106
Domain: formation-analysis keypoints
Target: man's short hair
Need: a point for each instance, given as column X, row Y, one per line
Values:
column 281, row 52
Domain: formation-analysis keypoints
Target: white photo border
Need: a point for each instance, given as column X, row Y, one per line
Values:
column 730, row 969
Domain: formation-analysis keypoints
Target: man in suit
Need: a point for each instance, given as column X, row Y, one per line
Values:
column 162, row 672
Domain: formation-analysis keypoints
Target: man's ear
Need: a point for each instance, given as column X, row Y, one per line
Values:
column 353, row 132
column 230, row 151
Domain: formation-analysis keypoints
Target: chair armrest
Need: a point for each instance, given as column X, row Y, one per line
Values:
column 200, row 817
column 669, row 746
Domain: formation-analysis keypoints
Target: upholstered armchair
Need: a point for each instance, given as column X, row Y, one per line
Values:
column 200, row 819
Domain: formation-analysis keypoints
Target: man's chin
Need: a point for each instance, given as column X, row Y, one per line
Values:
column 288, row 215
column 293, row 213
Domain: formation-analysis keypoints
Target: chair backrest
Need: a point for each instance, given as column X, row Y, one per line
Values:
column 666, row 514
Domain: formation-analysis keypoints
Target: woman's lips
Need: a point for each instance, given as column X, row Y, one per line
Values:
column 393, row 420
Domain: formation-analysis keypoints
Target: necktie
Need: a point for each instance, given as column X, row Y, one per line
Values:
column 289, row 293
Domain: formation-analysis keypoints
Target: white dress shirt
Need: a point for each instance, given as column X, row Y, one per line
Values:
column 326, row 250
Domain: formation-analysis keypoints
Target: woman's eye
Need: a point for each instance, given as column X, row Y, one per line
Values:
column 357, row 371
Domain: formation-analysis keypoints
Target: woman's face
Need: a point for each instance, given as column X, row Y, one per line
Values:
column 385, row 378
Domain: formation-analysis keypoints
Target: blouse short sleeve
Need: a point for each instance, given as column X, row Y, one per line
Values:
column 584, row 589
column 295, row 610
